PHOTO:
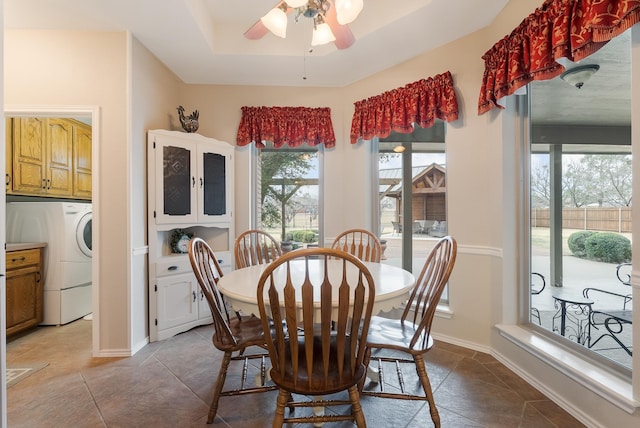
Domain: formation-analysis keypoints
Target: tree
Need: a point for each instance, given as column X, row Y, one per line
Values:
column 281, row 175
column 577, row 190
column 600, row 179
column 614, row 173
column 540, row 187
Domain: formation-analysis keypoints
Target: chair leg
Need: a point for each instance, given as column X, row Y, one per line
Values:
column 222, row 375
column 283, row 399
column 366, row 361
column 356, row 408
column 426, row 385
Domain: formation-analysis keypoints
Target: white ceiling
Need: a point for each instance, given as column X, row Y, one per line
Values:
column 202, row 41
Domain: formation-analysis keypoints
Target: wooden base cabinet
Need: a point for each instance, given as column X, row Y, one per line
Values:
column 24, row 290
column 190, row 191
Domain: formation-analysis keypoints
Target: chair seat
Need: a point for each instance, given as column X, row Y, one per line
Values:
column 318, row 383
column 247, row 330
column 624, row 316
column 394, row 334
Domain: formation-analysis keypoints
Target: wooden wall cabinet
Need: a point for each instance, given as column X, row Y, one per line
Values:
column 24, row 289
column 49, row 157
column 190, row 179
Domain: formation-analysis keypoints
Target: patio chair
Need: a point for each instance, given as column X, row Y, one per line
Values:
column 231, row 335
column 411, row 334
column 361, row 243
column 607, row 319
column 538, row 283
column 319, row 329
column 397, row 227
column 254, row 247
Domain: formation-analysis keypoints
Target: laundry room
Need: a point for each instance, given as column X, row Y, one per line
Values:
column 48, row 222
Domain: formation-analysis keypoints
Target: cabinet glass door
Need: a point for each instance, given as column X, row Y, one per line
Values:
column 176, row 171
column 215, row 195
column 176, row 178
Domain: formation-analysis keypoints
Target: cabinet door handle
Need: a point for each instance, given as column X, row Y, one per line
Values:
column 44, row 183
column 193, row 181
column 201, row 182
column 201, row 296
column 194, row 296
column 7, row 179
column 21, row 259
column 172, row 268
column 48, row 184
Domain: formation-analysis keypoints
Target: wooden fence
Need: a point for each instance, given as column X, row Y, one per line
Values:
column 613, row 219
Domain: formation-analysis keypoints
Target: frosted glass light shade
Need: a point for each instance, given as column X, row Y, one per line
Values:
column 322, row 34
column 276, row 21
column 348, row 10
column 296, row 3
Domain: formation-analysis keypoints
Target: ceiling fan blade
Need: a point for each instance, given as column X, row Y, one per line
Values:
column 344, row 36
column 258, row 30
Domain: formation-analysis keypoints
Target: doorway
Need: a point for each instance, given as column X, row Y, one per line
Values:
column 83, row 114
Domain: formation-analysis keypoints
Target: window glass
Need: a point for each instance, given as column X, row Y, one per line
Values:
column 419, row 157
column 288, row 195
column 580, row 207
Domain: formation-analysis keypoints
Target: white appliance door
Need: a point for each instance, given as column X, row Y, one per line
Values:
column 83, row 234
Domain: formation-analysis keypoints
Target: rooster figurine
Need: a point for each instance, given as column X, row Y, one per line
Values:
column 189, row 123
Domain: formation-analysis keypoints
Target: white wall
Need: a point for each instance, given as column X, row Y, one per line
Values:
column 154, row 99
column 55, row 68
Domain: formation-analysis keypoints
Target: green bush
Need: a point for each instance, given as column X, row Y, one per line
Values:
column 577, row 240
column 306, row 236
column 608, row 247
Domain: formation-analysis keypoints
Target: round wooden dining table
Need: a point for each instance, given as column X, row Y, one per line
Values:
column 392, row 284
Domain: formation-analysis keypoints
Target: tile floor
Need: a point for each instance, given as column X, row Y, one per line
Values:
column 168, row 384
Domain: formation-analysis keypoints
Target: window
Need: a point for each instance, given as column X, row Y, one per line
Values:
column 411, row 225
column 288, row 186
column 579, row 187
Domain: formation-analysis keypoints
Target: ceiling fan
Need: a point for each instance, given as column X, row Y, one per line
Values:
column 324, row 13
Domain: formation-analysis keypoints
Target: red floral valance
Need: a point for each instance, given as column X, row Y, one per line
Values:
column 559, row 28
column 293, row 126
column 420, row 102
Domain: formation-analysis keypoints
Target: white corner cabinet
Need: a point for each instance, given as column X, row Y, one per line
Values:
column 190, row 189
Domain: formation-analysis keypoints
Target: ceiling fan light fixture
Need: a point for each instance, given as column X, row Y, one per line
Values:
column 322, row 34
column 296, row 3
column 348, row 10
column 578, row 76
column 276, row 21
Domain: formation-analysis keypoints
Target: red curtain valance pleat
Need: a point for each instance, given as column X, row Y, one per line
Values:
column 293, row 126
column 559, row 28
column 420, row 102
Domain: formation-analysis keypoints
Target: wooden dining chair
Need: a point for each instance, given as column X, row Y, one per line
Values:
column 361, row 243
column 254, row 247
column 231, row 334
column 319, row 328
column 411, row 334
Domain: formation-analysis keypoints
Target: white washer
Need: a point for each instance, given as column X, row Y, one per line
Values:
column 66, row 228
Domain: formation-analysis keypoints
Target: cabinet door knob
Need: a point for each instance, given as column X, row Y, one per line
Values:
column 193, row 181
column 194, row 296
